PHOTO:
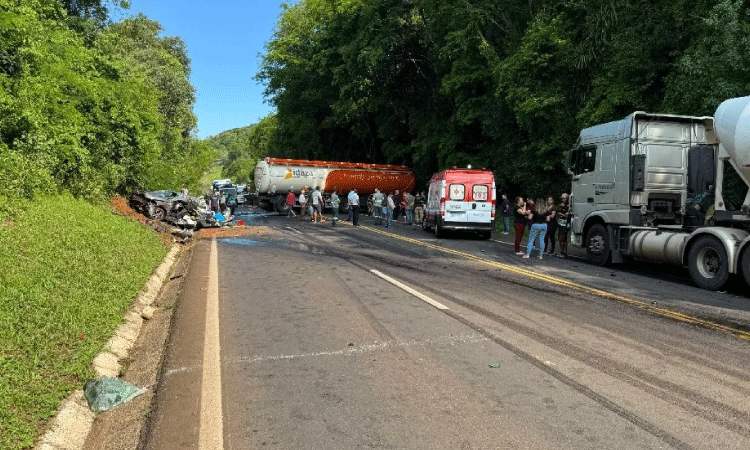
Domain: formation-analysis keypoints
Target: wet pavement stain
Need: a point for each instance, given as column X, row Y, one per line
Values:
column 297, row 246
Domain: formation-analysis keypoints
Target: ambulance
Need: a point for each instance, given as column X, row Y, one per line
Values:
column 462, row 200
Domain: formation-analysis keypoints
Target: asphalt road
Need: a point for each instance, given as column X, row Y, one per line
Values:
column 338, row 338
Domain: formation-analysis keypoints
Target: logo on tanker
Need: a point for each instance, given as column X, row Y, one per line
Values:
column 297, row 173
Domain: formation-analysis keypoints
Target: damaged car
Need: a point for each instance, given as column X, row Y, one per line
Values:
column 173, row 207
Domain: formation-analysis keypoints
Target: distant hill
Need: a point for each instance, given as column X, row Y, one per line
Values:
column 236, row 141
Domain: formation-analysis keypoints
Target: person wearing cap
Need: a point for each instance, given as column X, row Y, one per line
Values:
column 377, row 207
column 563, row 225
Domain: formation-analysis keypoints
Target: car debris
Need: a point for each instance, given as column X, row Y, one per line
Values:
column 174, row 208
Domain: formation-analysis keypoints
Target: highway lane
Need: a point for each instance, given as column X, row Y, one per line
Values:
column 317, row 351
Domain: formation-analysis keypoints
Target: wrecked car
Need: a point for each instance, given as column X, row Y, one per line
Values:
column 173, row 207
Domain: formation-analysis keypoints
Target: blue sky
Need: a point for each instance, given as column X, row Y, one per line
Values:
column 224, row 40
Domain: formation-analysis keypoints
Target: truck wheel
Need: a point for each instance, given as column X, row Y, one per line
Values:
column 597, row 245
column 280, row 204
column 707, row 263
column 745, row 266
column 485, row 235
column 438, row 229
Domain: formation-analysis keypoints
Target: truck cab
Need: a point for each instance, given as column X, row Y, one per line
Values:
column 640, row 171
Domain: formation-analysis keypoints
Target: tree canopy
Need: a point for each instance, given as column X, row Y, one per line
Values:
column 500, row 84
column 92, row 107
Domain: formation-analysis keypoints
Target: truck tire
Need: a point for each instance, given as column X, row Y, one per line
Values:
column 597, row 245
column 745, row 265
column 279, row 204
column 439, row 233
column 485, row 235
column 708, row 264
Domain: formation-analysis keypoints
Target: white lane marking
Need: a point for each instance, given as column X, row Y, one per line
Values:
column 294, row 230
column 211, row 433
column 451, row 340
column 502, row 242
column 419, row 295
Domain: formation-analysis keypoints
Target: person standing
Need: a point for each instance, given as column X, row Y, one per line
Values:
column 354, row 199
column 409, row 202
column 290, row 198
column 302, row 205
column 550, row 212
column 538, row 230
column 317, row 203
column 215, row 202
column 519, row 223
column 397, row 202
column 505, row 214
column 377, row 207
column 335, row 202
column 563, row 225
column 391, row 204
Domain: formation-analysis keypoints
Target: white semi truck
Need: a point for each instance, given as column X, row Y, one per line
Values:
column 651, row 187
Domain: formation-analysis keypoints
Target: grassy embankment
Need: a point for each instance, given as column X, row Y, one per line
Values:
column 69, row 272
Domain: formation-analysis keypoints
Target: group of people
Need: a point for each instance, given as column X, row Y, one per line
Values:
column 311, row 205
column 386, row 208
column 544, row 220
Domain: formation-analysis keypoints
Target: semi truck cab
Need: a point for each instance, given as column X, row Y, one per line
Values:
column 650, row 186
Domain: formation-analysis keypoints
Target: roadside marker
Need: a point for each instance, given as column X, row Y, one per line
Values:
column 578, row 287
column 211, row 432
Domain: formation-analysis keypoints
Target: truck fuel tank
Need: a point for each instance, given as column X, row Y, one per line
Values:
column 658, row 245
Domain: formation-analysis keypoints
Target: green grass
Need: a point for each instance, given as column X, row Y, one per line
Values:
column 69, row 272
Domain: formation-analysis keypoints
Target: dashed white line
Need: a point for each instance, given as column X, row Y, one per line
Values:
column 413, row 292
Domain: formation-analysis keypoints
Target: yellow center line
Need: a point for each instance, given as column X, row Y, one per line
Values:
column 575, row 286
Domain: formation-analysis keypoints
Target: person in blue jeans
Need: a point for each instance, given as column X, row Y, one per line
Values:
column 538, row 223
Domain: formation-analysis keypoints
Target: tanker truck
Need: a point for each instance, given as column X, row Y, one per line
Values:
column 275, row 176
column 651, row 187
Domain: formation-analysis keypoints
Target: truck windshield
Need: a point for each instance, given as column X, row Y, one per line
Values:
column 583, row 159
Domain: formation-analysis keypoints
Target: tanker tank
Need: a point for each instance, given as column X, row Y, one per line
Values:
column 277, row 176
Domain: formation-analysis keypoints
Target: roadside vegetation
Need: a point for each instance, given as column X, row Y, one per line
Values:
column 89, row 108
column 70, row 271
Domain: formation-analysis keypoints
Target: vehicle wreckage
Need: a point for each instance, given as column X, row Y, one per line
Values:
column 175, row 208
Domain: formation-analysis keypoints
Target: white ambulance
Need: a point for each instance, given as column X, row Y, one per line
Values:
column 461, row 199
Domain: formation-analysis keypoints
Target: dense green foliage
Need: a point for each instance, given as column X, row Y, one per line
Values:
column 66, row 284
column 496, row 83
column 241, row 148
column 89, row 107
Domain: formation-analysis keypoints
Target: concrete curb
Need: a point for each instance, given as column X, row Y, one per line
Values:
column 70, row 427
